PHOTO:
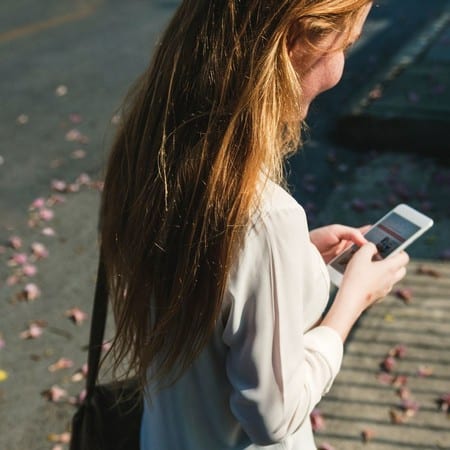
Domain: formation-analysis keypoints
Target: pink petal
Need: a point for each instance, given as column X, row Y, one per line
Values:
column 29, row 270
column 425, row 371
column 76, row 315
column 83, row 179
column 75, row 135
column 22, row 119
column 47, row 231
column 61, row 90
column 31, row 292
column 12, row 280
column 385, row 378
column 75, row 118
column 410, row 407
column 59, row 185
column 444, row 402
column 367, row 434
column 2, row 343
column 399, row 351
column 38, row 203
column 325, row 446
column 62, row 363
column 18, row 259
column 404, row 393
column 317, row 420
column 78, row 154
column 46, row 214
column 404, row 294
column 56, row 199
column 73, row 187
column 63, row 438
column 388, row 364
column 15, row 242
column 39, row 250
column 55, row 394
column 400, row 380
column 33, row 332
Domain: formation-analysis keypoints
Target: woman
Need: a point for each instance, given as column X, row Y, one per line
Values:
column 218, row 287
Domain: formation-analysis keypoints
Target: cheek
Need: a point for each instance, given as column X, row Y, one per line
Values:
column 333, row 72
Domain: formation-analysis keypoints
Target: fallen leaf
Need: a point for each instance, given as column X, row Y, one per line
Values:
column 76, row 315
column 3, row 375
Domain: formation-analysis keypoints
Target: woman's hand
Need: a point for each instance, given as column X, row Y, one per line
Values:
column 366, row 280
column 334, row 239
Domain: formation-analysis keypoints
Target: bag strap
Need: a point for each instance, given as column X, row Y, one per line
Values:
column 98, row 323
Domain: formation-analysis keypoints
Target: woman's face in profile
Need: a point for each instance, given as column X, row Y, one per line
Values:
column 325, row 69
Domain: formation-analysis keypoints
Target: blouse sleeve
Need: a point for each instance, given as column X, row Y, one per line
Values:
column 277, row 371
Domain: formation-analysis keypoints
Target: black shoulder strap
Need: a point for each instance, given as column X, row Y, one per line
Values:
column 98, row 322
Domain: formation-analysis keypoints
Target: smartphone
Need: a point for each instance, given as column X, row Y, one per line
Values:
column 392, row 233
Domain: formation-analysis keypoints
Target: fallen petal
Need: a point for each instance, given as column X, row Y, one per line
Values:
column 31, row 292
column 404, row 294
column 325, row 446
column 83, row 179
column 399, row 351
column 29, row 270
column 367, row 434
column 76, row 315
column 33, row 332
column 12, row 280
column 410, row 407
column 18, row 259
column 61, row 90
column 38, row 203
column 78, row 154
column 47, row 231
column 425, row 371
column 55, row 394
column 2, row 343
column 397, row 417
column 62, row 363
column 3, row 375
column 317, row 420
column 75, row 118
column 22, row 119
column 385, row 378
column 444, row 402
column 46, row 214
column 39, row 250
column 404, row 393
column 59, row 185
column 15, row 242
column 425, row 270
column 388, row 364
column 400, row 380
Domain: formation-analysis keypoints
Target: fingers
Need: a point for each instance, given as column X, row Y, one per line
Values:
column 350, row 234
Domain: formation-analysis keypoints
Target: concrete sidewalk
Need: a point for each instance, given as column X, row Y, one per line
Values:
column 366, row 398
column 407, row 104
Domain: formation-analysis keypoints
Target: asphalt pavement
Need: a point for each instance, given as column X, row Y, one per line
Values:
column 65, row 70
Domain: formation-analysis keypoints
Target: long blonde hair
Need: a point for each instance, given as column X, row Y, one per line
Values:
column 219, row 101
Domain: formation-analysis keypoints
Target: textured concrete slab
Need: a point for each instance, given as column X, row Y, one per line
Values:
column 359, row 401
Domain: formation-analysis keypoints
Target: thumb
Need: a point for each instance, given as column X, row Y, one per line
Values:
column 369, row 249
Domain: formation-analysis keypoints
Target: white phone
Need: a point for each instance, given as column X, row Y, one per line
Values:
column 392, row 233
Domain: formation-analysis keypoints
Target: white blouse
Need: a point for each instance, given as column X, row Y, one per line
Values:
column 266, row 366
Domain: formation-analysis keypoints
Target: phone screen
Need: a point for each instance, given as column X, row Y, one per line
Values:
column 387, row 235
